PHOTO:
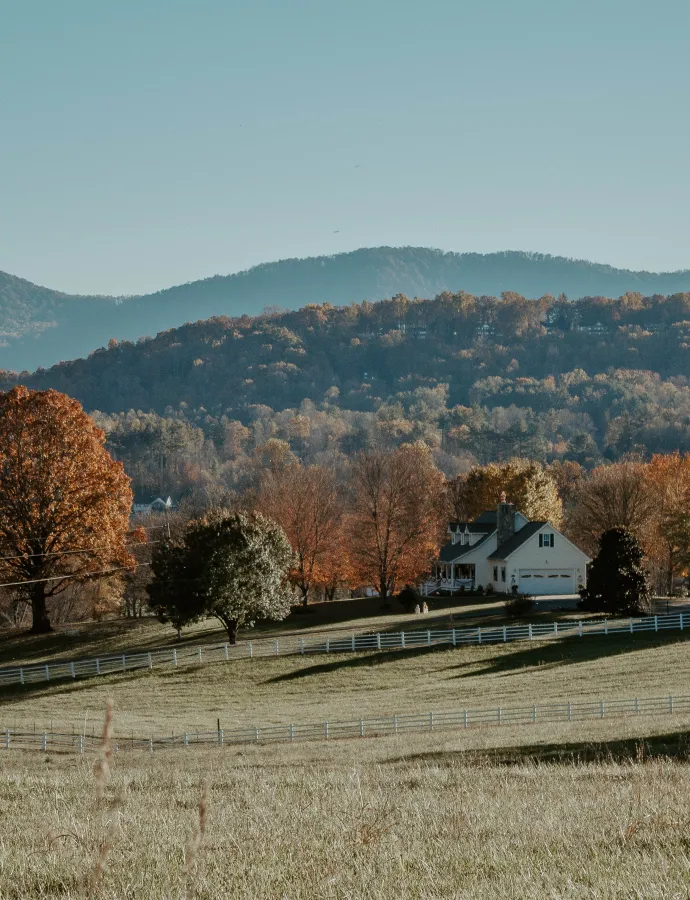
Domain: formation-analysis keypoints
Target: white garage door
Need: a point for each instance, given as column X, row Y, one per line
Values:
column 547, row 581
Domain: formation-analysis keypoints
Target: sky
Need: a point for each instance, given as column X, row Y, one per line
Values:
column 146, row 143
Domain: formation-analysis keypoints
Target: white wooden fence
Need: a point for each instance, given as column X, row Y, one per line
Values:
column 560, row 712
column 183, row 655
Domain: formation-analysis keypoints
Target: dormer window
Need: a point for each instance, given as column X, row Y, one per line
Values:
column 546, row 540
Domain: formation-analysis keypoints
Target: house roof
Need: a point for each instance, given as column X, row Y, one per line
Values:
column 451, row 552
column 517, row 540
column 489, row 517
column 475, row 527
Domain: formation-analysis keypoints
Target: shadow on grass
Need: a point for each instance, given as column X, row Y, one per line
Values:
column 566, row 651
column 673, row 745
column 354, row 661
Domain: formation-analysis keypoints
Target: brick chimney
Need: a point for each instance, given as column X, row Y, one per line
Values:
column 505, row 520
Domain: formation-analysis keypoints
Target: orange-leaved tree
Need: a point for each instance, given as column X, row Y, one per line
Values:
column 397, row 516
column 666, row 537
column 64, row 502
column 305, row 502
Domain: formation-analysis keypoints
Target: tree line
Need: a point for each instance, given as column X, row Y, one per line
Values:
column 377, row 521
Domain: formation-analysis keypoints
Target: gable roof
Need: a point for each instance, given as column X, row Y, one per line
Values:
column 450, row 552
column 489, row 517
column 475, row 527
column 517, row 540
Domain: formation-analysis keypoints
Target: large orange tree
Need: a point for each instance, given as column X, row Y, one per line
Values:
column 397, row 516
column 64, row 502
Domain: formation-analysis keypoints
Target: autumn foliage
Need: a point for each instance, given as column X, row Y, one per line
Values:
column 64, row 502
column 397, row 518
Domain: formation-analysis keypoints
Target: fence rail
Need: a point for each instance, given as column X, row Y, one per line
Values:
column 177, row 656
column 561, row 712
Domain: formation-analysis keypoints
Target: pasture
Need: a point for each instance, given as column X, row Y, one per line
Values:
column 594, row 809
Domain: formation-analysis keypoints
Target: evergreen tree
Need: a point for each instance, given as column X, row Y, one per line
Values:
column 617, row 580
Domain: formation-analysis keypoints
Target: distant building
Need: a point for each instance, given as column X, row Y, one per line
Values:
column 147, row 507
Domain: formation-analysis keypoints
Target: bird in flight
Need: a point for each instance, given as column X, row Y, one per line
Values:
column 337, row 232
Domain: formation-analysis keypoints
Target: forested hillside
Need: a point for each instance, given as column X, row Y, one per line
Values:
column 477, row 378
column 40, row 327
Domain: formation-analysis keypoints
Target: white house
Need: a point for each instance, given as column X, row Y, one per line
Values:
column 153, row 506
column 503, row 548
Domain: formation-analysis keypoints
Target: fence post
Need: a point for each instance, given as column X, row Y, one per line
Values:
column 656, row 623
column 579, row 627
column 353, row 643
column 199, row 652
column 275, row 647
column 7, row 739
column 681, row 621
column 185, row 739
column 428, row 638
column 555, row 627
column 174, row 656
column 292, row 732
column 44, row 742
column 570, row 712
column 499, row 716
column 431, row 721
column 325, row 730
column 220, row 737
column 601, row 709
column 150, row 745
column 479, row 635
column 534, row 712
column 631, row 625
column 505, row 634
column 529, row 630
column 256, row 734
column 454, row 639
column 402, row 639
column 378, row 640
column 47, row 672
column 98, row 666
column 71, row 668
column 606, row 626
column 150, row 661
column 227, row 652
column 328, row 645
column 361, row 727
column 21, row 676
column 464, row 718
column 637, row 705
column 124, row 663
column 251, row 649
column 301, row 646
column 80, row 744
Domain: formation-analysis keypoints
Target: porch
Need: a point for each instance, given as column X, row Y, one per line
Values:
column 449, row 577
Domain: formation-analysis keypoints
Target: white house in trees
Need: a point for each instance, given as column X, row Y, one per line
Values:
column 503, row 548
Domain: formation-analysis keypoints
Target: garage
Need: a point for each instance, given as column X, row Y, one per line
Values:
column 547, row 581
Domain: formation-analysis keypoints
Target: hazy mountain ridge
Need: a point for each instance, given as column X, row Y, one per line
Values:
column 40, row 326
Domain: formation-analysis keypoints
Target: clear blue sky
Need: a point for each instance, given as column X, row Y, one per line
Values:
column 145, row 143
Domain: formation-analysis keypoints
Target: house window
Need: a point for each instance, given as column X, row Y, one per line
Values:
column 546, row 540
column 495, row 573
column 503, row 574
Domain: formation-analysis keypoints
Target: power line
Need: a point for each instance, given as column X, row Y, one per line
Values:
column 66, row 552
column 74, row 575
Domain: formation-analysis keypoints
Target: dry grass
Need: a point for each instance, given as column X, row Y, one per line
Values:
column 350, row 686
column 423, row 817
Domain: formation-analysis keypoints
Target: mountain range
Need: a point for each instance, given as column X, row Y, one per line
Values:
column 40, row 327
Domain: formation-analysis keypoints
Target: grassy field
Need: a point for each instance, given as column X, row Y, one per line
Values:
column 427, row 816
column 349, row 686
column 588, row 810
column 90, row 639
